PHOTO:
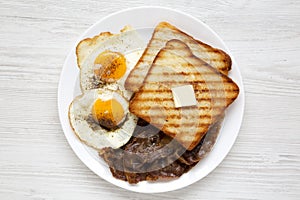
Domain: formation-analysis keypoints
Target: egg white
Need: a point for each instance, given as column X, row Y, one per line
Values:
column 92, row 133
column 127, row 43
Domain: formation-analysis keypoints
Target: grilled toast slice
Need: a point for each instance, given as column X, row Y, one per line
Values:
column 175, row 65
column 161, row 35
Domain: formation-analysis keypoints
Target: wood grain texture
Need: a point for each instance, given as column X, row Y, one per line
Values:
column 36, row 161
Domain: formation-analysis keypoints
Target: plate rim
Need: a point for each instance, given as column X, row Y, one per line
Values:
column 90, row 163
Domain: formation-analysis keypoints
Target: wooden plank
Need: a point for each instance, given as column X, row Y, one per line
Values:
column 36, row 161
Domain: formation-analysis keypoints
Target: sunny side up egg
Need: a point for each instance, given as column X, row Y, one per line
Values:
column 110, row 62
column 100, row 118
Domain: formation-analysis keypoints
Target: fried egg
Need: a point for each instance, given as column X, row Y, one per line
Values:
column 100, row 118
column 110, row 60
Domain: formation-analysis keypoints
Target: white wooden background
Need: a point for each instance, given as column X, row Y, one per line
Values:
column 36, row 161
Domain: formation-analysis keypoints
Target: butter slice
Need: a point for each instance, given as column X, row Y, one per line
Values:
column 184, row 96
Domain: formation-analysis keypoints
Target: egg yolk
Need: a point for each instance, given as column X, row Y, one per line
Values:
column 108, row 113
column 112, row 66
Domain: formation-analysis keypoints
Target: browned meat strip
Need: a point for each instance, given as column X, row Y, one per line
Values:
column 152, row 155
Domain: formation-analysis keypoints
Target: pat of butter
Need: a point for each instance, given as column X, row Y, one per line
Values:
column 184, row 96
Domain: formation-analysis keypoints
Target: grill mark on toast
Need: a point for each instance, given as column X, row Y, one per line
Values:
column 147, row 56
column 175, row 118
column 226, row 90
column 187, row 125
column 184, row 82
column 158, row 99
column 184, row 73
column 200, row 108
column 147, row 107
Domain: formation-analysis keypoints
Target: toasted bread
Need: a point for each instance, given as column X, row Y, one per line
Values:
column 175, row 65
column 161, row 35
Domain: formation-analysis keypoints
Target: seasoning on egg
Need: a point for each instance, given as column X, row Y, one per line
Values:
column 110, row 66
column 108, row 113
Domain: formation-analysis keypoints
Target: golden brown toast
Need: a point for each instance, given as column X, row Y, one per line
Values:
column 161, row 35
column 175, row 65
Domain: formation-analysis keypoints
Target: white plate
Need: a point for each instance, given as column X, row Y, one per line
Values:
column 145, row 18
